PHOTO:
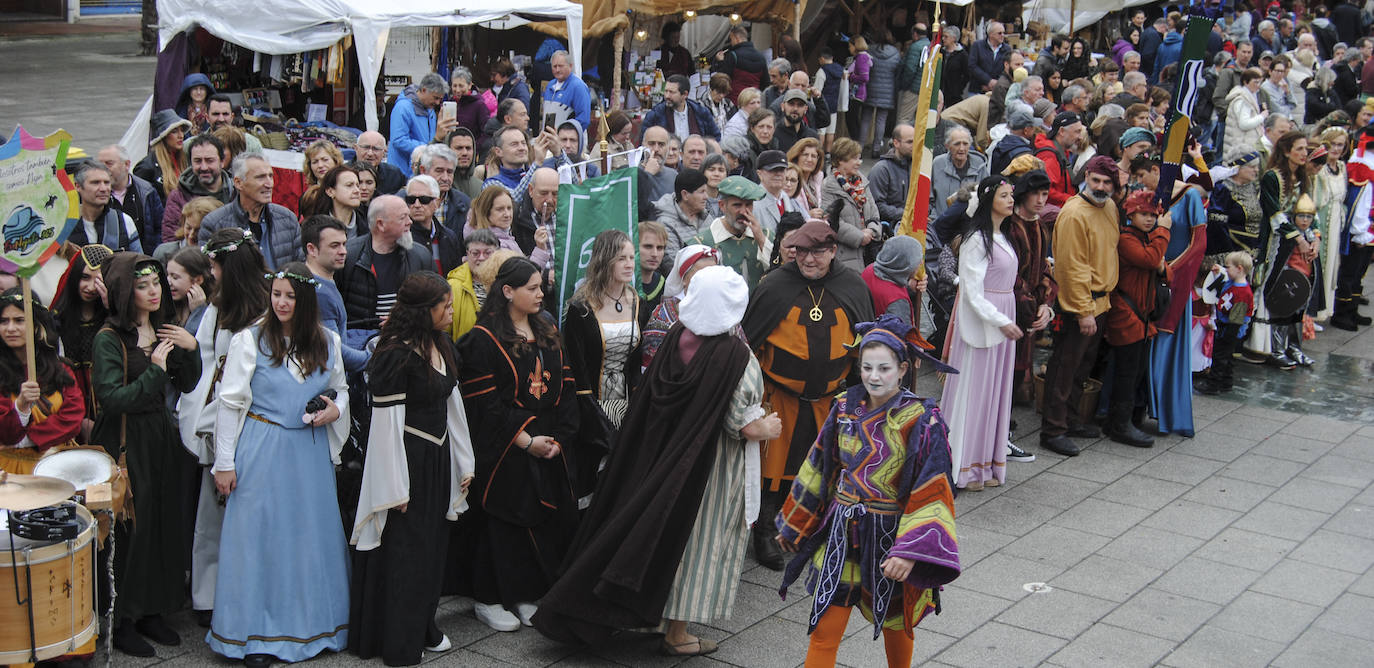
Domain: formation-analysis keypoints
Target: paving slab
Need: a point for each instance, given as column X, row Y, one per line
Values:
column 1107, row 645
column 1163, row 614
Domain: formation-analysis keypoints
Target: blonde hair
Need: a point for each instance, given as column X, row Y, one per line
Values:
column 169, row 162
column 310, row 151
column 860, row 44
column 653, row 227
column 485, row 273
column 195, row 211
column 480, row 213
column 1241, row 259
column 748, row 95
column 794, row 153
column 843, row 149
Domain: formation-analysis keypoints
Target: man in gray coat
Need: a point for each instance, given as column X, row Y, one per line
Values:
column 683, row 212
column 273, row 225
column 891, row 177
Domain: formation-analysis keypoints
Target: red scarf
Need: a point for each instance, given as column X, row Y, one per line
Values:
column 853, row 186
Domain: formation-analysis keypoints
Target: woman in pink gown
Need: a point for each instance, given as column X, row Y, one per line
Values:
column 977, row 401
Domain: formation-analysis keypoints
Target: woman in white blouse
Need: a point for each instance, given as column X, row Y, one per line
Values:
column 282, row 591
column 977, row 401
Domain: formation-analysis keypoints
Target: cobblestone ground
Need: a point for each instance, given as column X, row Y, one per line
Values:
column 1250, row 544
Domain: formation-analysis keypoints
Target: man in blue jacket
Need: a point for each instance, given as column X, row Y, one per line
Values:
column 1171, row 50
column 567, row 95
column 986, row 57
column 681, row 115
column 414, row 121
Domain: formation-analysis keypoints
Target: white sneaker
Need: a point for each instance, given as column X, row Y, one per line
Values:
column 496, row 616
column 1318, row 328
column 443, row 646
column 525, row 611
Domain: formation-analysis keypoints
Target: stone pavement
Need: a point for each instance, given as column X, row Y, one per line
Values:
column 1248, row 545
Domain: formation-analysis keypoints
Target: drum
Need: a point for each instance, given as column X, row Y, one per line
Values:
column 85, row 466
column 62, row 597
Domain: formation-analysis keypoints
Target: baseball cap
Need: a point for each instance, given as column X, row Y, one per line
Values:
column 794, row 94
column 771, row 160
column 1063, row 120
column 1021, row 118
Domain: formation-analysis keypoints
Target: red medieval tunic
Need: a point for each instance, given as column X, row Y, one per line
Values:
column 1034, row 286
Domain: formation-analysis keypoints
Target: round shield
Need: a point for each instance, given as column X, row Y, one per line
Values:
column 1288, row 294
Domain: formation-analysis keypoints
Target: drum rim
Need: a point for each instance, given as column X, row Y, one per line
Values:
column 52, row 551
column 53, row 650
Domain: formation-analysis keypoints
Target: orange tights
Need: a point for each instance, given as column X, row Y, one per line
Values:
column 825, row 641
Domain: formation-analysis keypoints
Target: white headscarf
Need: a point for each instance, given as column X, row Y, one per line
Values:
column 715, row 302
column 674, row 286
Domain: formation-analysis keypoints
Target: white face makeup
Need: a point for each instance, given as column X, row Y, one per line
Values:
column 881, row 373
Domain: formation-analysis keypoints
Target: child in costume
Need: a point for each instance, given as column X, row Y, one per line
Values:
column 870, row 515
column 1235, row 306
column 1301, row 252
column 1204, row 328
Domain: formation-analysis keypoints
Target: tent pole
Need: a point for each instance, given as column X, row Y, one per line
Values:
column 796, row 20
column 619, row 42
column 1073, row 8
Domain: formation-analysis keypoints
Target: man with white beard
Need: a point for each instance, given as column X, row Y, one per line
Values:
column 377, row 264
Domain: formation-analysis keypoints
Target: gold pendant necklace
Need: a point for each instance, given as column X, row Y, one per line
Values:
column 816, row 312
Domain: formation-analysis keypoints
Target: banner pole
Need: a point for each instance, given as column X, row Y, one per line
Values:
column 29, row 356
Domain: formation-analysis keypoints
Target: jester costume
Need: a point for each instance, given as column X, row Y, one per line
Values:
column 876, row 484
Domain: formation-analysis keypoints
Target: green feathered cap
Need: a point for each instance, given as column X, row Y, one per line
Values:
column 738, row 186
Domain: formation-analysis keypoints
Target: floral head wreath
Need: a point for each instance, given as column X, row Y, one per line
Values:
column 147, row 269
column 308, row 280
column 229, row 247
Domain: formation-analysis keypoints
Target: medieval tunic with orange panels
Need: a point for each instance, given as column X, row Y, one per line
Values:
column 799, row 329
column 876, row 484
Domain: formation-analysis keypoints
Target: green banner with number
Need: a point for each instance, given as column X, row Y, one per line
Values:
column 609, row 202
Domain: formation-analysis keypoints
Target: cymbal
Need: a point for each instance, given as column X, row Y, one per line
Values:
column 26, row 492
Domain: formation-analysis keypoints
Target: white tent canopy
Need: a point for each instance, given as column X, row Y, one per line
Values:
column 281, row 27
column 1056, row 13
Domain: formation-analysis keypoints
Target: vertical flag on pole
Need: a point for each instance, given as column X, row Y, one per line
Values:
column 1192, row 61
column 916, row 214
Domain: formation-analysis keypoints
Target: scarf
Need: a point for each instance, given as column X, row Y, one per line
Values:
column 853, row 186
column 510, row 176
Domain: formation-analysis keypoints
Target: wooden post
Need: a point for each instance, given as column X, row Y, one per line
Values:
column 28, row 330
column 796, row 20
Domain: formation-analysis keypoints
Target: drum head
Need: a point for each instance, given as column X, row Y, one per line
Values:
column 81, row 468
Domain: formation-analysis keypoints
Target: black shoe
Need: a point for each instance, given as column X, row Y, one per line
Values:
column 1084, row 431
column 1253, row 357
column 1282, row 361
column 1061, row 444
column 1363, row 320
column 766, row 551
column 1017, row 454
column 1206, row 386
column 156, row 629
column 204, row 617
column 259, row 660
column 1122, row 431
column 1362, row 301
column 1346, row 323
column 127, row 640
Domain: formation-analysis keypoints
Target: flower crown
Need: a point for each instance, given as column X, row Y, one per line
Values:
column 147, row 269
column 308, row 280
column 229, row 247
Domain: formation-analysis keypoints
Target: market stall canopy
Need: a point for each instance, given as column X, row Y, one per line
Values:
column 281, row 27
column 602, row 17
column 1083, row 12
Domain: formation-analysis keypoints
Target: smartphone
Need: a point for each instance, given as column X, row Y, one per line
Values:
column 450, row 110
column 550, row 121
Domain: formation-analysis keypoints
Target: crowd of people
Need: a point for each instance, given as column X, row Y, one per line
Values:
column 337, row 407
